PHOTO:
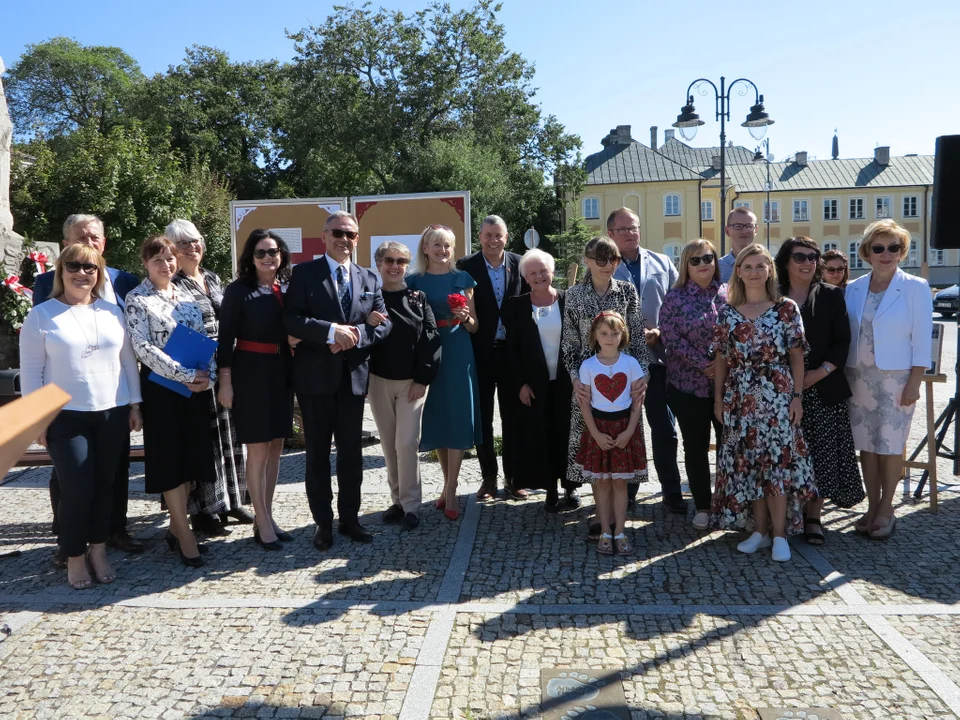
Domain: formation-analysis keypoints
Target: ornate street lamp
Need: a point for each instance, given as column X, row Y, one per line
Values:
column 688, row 121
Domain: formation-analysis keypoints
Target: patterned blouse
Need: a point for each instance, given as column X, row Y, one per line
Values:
column 209, row 301
column 687, row 319
column 583, row 304
column 152, row 317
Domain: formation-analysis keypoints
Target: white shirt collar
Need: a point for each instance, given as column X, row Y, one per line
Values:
column 333, row 264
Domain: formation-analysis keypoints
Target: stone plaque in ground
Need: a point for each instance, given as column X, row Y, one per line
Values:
column 798, row 714
column 582, row 695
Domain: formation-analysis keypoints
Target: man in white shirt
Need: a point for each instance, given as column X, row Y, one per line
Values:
column 742, row 229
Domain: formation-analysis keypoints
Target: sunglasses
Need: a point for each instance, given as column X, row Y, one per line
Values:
column 263, row 252
column 75, row 267
column 705, row 259
column 348, row 234
column 400, row 262
column 894, row 249
column 834, row 271
column 800, row 258
column 603, row 263
column 188, row 243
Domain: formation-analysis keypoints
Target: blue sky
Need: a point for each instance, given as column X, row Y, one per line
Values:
column 881, row 72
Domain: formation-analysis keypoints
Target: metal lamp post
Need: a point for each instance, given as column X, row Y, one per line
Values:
column 768, row 186
column 688, row 121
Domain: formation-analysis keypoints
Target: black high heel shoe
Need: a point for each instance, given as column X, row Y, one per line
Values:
column 272, row 545
column 283, row 535
column 172, row 543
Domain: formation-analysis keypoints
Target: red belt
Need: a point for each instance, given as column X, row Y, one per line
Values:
column 258, row 347
column 448, row 322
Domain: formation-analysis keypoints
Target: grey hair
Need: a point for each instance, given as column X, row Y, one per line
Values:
column 184, row 230
column 389, row 245
column 493, row 220
column 338, row 215
column 530, row 255
column 78, row 219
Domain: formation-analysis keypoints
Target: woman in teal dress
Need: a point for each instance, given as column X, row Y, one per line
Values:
column 451, row 415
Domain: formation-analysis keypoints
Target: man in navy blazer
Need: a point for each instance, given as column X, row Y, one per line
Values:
column 326, row 307
column 88, row 230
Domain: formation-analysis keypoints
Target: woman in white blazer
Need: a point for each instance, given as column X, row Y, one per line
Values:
column 891, row 327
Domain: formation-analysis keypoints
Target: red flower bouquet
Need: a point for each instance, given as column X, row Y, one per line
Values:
column 456, row 301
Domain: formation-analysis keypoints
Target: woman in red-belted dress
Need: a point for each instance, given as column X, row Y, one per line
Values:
column 254, row 358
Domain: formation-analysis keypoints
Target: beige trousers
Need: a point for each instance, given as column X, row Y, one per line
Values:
column 398, row 421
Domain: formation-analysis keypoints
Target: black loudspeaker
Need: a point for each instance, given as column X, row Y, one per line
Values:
column 944, row 234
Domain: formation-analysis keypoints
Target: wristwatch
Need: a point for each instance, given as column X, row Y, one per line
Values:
column 826, row 368
column 798, row 395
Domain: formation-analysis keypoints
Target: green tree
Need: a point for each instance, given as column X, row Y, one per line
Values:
column 60, row 85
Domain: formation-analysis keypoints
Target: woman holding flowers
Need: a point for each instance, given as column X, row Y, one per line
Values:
column 451, row 415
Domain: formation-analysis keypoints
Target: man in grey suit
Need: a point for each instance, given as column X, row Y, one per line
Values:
column 742, row 229
column 653, row 275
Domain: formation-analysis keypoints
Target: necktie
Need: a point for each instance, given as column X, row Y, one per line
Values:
column 343, row 290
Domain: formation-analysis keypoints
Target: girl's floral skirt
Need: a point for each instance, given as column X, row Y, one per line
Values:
column 628, row 463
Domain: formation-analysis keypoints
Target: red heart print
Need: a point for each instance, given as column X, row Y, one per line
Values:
column 611, row 387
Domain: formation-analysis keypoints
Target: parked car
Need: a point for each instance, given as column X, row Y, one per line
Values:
column 947, row 301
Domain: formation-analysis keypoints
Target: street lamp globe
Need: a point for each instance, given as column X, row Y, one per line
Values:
column 688, row 133
column 688, row 121
column 757, row 121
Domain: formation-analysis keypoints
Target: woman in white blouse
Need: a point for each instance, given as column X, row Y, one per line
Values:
column 177, row 439
column 78, row 341
column 534, row 324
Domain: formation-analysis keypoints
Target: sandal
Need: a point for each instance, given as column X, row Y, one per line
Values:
column 623, row 545
column 105, row 577
column 593, row 532
column 862, row 526
column 815, row 537
column 605, row 544
column 83, row 583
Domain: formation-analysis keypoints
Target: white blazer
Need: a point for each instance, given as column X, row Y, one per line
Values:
column 902, row 326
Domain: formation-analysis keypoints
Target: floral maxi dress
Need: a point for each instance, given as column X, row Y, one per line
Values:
column 762, row 454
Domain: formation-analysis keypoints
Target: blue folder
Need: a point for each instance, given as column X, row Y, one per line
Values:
column 191, row 349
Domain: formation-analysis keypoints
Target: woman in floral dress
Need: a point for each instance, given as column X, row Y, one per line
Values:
column 764, row 472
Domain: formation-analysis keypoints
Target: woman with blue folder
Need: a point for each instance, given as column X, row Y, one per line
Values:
column 176, row 428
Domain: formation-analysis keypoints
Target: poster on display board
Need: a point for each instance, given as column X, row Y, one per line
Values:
column 404, row 217
column 298, row 221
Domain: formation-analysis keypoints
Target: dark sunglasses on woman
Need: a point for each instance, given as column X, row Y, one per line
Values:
column 705, row 259
column 75, row 267
column 348, row 234
column 800, row 258
column 603, row 263
column 395, row 261
column 894, row 249
column 263, row 252
column 833, row 271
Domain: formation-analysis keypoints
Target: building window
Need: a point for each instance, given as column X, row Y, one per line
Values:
column 672, row 251
column 913, row 259
column 591, row 208
column 855, row 262
column 706, row 210
column 884, row 207
column 671, row 204
column 856, row 208
column 831, row 209
column 771, row 214
column 744, row 204
column 910, row 206
column 937, row 257
column 827, row 246
column 801, row 211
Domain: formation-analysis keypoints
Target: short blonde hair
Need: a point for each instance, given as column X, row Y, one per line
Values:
column 614, row 321
column 883, row 227
column 737, row 291
column 431, row 234
column 688, row 250
column 80, row 254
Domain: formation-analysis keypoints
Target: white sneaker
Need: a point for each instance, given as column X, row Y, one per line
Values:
column 701, row 521
column 781, row 549
column 753, row 543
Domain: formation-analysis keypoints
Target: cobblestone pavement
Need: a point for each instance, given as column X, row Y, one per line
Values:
column 455, row 621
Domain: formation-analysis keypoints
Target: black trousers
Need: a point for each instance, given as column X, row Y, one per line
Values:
column 663, row 433
column 336, row 416
column 695, row 415
column 86, row 449
column 120, row 489
column 493, row 374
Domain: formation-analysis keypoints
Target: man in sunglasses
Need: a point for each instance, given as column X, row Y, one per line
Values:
column 88, row 230
column 653, row 274
column 497, row 273
column 326, row 307
column 742, row 230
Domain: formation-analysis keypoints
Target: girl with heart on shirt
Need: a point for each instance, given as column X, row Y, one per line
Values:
column 612, row 451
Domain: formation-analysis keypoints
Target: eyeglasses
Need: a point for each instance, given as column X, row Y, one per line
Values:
column 75, row 267
column 440, row 227
column 894, row 249
column 399, row 262
column 627, row 230
column 743, row 226
column 188, row 243
column 834, row 270
column 263, row 252
column 603, row 263
column 705, row 259
column 800, row 258
column 348, row 234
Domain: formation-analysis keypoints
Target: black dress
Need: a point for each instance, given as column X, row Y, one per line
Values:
column 262, row 393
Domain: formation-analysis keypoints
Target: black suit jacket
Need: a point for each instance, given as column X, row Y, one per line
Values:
column 311, row 306
column 528, row 365
column 485, row 301
column 827, row 329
